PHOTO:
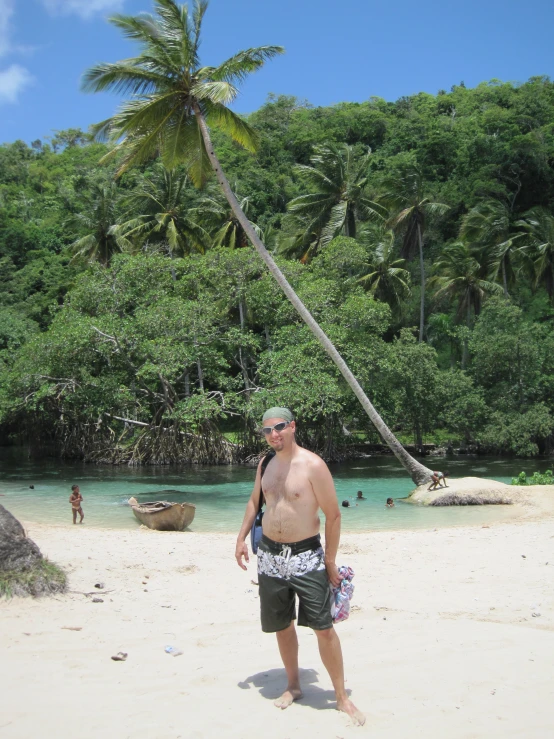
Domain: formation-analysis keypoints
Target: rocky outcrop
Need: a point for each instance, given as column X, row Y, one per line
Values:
column 529, row 499
column 466, row 491
column 23, row 569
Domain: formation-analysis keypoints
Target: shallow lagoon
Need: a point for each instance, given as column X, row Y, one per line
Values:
column 220, row 493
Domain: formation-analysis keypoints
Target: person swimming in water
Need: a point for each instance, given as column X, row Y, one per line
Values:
column 389, row 503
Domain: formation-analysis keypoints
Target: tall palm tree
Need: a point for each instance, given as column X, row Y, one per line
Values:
column 387, row 280
column 338, row 177
column 99, row 220
column 410, row 209
column 460, row 277
column 490, row 224
column 538, row 226
column 162, row 213
column 217, row 217
column 174, row 101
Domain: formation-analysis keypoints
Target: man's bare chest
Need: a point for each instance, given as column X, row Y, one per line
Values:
column 282, row 485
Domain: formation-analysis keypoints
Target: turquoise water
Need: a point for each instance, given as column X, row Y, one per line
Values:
column 220, row 493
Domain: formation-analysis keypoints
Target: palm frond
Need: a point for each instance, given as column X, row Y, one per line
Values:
column 335, row 223
column 123, row 78
column 238, row 67
column 216, row 92
column 238, row 129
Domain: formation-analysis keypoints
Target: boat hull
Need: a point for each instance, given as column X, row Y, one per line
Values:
column 172, row 517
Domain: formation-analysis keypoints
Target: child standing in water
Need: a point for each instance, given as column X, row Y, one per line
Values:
column 75, row 499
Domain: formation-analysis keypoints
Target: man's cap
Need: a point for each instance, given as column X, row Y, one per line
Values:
column 276, row 412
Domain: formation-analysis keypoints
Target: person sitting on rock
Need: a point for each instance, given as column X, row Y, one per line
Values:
column 436, row 479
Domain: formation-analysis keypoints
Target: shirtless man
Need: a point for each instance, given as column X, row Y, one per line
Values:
column 75, row 499
column 291, row 561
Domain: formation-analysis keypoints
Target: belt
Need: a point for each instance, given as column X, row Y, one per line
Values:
column 295, row 547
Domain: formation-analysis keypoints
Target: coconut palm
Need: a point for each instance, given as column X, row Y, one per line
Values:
column 99, row 220
column 410, row 210
column 174, row 101
column 538, row 226
column 460, row 277
column 338, row 177
column 387, row 280
column 490, row 224
column 163, row 217
column 298, row 239
column 217, row 217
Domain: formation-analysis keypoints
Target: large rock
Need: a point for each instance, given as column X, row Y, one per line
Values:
column 23, row 569
column 533, row 499
column 17, row 551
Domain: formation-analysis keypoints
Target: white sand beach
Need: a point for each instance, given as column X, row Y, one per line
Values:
column 445, row 640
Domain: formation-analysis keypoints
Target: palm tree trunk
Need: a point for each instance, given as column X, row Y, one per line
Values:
column 422, row 268
column 465, row 350
column 504, row 278
column 418, row 472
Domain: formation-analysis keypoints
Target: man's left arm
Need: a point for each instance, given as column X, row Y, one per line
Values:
column 324, row 490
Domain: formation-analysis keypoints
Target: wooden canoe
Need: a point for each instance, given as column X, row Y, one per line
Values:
column 164, row 516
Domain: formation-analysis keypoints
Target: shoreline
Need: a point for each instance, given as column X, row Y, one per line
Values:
column 516, row 513
column 441, row 636
column 435, row 453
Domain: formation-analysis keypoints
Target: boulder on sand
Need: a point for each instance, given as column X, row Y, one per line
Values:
column 466, row 491
column 529, row 500
column 23, row 569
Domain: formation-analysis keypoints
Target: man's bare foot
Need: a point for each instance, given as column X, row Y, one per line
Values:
column 289, row 696
column 346, row 706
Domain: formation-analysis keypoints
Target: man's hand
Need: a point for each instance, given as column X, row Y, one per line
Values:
column 333, row 573
column 240, row 552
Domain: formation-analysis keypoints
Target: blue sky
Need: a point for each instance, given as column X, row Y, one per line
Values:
column 336, row 51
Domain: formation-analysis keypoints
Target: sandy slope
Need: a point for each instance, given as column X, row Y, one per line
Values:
column 442, row 642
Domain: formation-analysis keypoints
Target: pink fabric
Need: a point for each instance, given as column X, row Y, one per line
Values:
column 342, row 595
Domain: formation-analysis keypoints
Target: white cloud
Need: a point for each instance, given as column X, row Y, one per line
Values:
column 12, row 81
column 6, row 12
column 83, row 8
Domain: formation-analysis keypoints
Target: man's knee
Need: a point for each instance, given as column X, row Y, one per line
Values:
column 286, row 631
column 325, row 634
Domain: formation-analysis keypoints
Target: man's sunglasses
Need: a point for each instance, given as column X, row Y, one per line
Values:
column 281, row 426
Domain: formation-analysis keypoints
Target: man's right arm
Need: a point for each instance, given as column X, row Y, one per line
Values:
column 252, row 507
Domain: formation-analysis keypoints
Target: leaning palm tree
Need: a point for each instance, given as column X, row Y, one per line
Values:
column 538, row 226
column 99, row 222
column 387, row 279
column 459, row 276
column 338, row 178
column 160, row 214
column 411, row 208
column 174, row 102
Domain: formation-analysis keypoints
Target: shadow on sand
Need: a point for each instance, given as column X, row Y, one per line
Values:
column 272, row 683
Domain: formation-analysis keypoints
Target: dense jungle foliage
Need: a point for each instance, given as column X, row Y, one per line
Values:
column 137, row 324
